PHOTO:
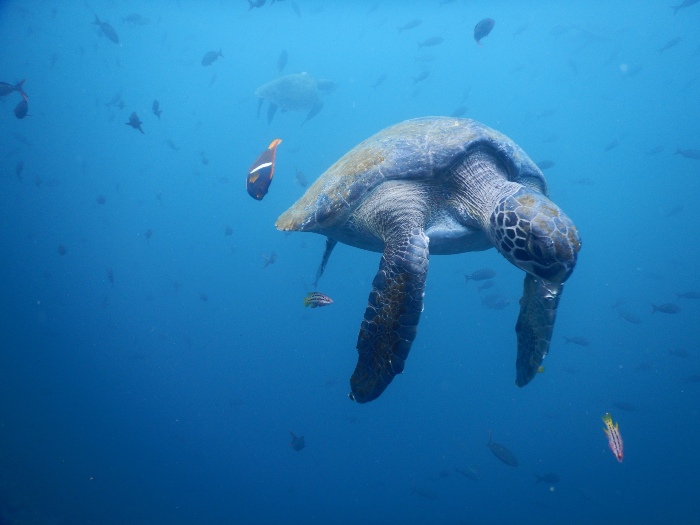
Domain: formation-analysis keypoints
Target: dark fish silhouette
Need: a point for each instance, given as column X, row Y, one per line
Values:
column 688, row 153
column 135, row 19
column 480, row 275
column 172, row 145
column 282, row 60
column 211, row 57
column 546, row 164
column 502, row 453
column 459, row 111
column 148, row 235
column 228, row 231
column 134, row 122
column 577, row 340
column 107, row 30
column 482, row 29
column 269, row 259
column 6, row 88
column 666, row 308
column 671, row 43
column 110, row 275
column 689, row 295
column 100, row 199
column 19, row 169
column 255, row 3
column 380, row 80
column 301, row 179
column 62, row 250
column 630, row 317
column 21, row 108
column 550, row 478
column 298, row 442
column 421, row 77
column 410, row 25
column 624, row 405
column 683, row 5
column 296, row 9
column 495, row 301
column 611, row 145
column 156, row 109
column 432, row 41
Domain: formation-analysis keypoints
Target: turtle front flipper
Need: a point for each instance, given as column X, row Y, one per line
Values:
column 538, row 310
column 392, row 315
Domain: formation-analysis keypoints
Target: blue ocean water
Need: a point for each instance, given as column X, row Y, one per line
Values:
column 152, row 365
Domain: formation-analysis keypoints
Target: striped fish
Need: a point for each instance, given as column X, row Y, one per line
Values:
column 315, row 299
column 614, row 438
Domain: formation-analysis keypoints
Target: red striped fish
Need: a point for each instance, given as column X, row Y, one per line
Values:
column 614, row 438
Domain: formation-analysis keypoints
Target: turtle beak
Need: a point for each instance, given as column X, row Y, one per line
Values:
column 536, row 235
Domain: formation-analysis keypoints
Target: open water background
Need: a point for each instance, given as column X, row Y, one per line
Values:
column 168, row 395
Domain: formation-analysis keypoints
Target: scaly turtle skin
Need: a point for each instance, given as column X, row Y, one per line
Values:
column 438, row 185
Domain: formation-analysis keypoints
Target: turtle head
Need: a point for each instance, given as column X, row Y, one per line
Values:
column 534, row 234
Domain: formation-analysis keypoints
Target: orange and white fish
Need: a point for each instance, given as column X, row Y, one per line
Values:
column 614, row 437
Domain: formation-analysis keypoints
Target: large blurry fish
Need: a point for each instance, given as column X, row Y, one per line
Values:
column 481, row 274
column 134, row 122
column 482, row 29
column 6, row 88
column 107, row 30
column 688, row 153
column 410, row 25
column 22, row 108
column 614, row 437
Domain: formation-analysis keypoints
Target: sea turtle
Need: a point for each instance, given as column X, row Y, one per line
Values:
column 297, row 92
column 438, row 185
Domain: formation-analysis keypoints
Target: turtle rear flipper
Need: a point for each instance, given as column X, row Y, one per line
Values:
column 393, row 311
column 538, row 311
column 315, row 109
column 271, row 110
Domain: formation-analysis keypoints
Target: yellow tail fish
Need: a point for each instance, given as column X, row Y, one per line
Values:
column 614, row 438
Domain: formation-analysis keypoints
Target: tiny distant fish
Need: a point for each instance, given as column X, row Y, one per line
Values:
column 679, row 352
column 471, row 472
column 480, row 275
column 228, row 231
column 614, row 437
column 546, row 164
column 495, row 301
column 689, row 295
column 172, row 145
column 630, row 317
column 611, row 145
column 410, row 25
column 431, row 41
column 693, row 378
column 317, row 299
column 110, row 275
column 550, row 478
column 298, row 442
column 255, row 3
column 148, row 235
column 520, row 29
column 666, row 308
column 100, row 199
column 671, row 43
column 673, row 211
column 134, row 122
column 655, row 150
column 688, row 153
column 62, row 250
column 156, row 109
column 421, row 77
column 550, row 138
column 459, row 111
column 203, row 297
column 19, row 169
column 269, row 259
column 482, row 29
column 549, row 112
column 301, row 179
column 296, row 9
column 211, row 57
column 380, row 80
column 282, row 60
column 585, row 181
column 581, row 341
column 261, row 172
column 107, row 30
column 502, row 453
column 683, row 5
column 624, row 405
